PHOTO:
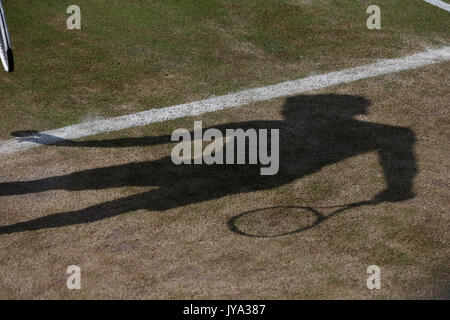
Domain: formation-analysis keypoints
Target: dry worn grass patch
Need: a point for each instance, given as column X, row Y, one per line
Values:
column 171, row 243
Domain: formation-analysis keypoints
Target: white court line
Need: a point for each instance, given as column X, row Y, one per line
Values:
column 440, row 4
column 227, row 101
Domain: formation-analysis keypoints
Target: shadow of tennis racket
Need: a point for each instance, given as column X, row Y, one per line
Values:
column 311, row 215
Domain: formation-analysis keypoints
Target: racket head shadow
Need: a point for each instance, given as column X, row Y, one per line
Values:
column 272, row 222
column 313, row 218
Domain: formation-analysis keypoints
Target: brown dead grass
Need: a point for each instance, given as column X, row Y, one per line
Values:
column 189, row 252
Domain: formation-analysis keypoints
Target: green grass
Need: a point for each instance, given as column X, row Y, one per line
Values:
column 134, row 55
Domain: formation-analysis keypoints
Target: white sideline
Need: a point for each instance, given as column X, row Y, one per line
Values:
column 440, row 4
column 227, row 101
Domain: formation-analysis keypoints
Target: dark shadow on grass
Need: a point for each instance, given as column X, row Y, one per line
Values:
column 318, row 130
column 319, row 217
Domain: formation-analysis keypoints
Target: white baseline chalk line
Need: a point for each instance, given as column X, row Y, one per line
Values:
column 237, row 99
column 440, row 4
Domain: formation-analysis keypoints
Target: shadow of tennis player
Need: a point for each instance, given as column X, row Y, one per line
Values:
column 318, row 130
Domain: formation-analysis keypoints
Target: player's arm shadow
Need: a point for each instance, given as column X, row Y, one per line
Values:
column 318, row 130
column 147, row 141
column 48, row 139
